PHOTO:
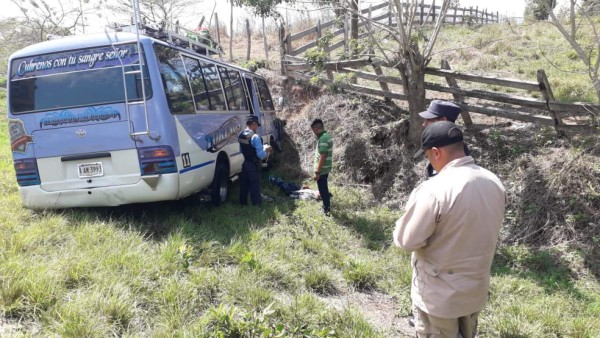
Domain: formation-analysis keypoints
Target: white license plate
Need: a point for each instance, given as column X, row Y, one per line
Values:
column 90, row 169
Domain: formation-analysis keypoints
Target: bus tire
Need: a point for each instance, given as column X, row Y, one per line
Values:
column 220, row 185
column 277, row 141
column 276, row 145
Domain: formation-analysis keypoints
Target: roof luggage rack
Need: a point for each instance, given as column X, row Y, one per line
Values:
column 190, row 40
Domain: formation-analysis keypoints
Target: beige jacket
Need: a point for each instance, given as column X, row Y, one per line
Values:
column 451, row 224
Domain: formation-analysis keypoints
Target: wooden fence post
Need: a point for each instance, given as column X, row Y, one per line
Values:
column 248, row 33
column 377, row 68
column 282, row 47
column 346, row 34
column 218, row 36
column 433, row 12
column 390, row 19
column 548, row 96
column 457, row 98
column 476, row 16
column 497, row 17
column 288, row 43
column 470, row 18
column 454, row 17
column 325, row 47
column 422, row 9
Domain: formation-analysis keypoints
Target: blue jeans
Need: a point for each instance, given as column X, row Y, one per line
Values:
column 324, row 191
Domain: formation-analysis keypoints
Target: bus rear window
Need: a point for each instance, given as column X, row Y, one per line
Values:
column 76, row 78
column 82, row 88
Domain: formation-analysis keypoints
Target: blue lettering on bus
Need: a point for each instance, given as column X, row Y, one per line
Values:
column 74, row 61
column 90, row 114
column 221, row 137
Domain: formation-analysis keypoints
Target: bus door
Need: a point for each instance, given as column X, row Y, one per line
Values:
column 254, row 103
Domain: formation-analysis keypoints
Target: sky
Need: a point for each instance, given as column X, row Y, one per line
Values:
column 510, row 8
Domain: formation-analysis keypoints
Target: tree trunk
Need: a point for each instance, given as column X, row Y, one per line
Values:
column 414, row 88
column 231, row 33
column 354, row 28
column 354, row 33
column 596, row 82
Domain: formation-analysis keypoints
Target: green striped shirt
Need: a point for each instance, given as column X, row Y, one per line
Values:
column 324, row 146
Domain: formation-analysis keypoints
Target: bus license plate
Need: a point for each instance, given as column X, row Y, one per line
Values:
column 90, row 169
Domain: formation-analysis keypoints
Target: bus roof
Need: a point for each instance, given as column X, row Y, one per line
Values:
column 74, row 42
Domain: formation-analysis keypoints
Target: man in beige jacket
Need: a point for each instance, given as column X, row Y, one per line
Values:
column 451, row 225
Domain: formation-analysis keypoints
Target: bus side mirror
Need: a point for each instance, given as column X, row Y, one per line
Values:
column 280, row 102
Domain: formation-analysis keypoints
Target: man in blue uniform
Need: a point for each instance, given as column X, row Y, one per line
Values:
column 254, row 152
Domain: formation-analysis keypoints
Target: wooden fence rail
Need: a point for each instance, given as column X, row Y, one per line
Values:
column 527, row 107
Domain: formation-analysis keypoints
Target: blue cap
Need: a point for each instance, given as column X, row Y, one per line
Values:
column 252, row 118
column 439, row 108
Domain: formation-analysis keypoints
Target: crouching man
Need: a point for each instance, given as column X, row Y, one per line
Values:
column 451, row 225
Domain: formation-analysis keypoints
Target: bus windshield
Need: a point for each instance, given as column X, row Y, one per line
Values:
column 90, row 77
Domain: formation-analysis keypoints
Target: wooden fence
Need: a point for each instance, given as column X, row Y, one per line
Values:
column 381, row 13
column 534, row 101
column 536, row 104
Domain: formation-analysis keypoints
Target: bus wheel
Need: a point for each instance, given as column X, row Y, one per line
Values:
column 220, row 185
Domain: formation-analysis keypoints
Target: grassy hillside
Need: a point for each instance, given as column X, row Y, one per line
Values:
column 518, row 51
column 189, row 269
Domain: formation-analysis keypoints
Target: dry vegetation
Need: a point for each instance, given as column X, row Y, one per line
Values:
column 552, row 181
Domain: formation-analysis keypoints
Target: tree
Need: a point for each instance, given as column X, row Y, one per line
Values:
column 590, row 7
column 40, row 18
column 262, row 8
column 411, row 51
column 156, row 11
column 588, row 52
column 539, row 9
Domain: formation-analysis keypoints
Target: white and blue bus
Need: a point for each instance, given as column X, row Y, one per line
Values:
column 126, row 117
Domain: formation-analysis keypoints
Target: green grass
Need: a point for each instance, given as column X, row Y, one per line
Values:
column 182, row 269
column 519, row 51
column 189, row 269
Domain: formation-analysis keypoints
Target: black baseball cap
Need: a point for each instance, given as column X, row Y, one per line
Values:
column 252, row 118
column 439, row 108
column 439, row 134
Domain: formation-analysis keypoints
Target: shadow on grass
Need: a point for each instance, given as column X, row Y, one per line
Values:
column 195, row 217
column 545, row 267
column 375, row 234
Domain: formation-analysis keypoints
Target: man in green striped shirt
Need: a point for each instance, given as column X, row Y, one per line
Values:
column 323, row 161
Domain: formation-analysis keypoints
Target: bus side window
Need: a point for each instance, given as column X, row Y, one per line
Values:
column 198, row 85
column 229, row 92
column 213, row 85
column 264, row 94
column 175, row 81
column 234, row 90
column 238, row 89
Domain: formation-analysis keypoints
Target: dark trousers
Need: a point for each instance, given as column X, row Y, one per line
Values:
column 250, row 183
column 324, row 191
